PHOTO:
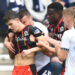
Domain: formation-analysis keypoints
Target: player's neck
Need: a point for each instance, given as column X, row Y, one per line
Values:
column 21, row 26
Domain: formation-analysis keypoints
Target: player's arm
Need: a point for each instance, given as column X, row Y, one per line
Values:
column 63, row 50
column 37, row 36
column 47, row 47
column 52, row 41
column 31, row 50
column 61, row 53
column 8, row 45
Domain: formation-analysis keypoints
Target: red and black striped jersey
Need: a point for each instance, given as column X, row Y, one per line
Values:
column 21, row 39
column 57, row 29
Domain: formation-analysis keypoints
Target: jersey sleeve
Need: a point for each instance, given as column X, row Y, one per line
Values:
column 65, row 41
column 35, row 31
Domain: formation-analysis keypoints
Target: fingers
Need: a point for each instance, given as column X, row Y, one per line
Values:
column 25, row 53
column 12, row 44
column 11, row 49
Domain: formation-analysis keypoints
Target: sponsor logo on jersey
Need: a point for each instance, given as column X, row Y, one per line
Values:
column 61, row 29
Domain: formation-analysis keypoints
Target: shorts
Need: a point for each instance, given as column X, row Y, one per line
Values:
column 24, row 70
column 46, row 70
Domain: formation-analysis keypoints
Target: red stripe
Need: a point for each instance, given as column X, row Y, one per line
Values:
column 23, row 37
column 58, row 25
column 36, row 73
column 25, row 41
column 27, row 45
column 17, row 44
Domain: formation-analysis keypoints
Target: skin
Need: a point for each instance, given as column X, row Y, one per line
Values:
column 27, row 20
column 53, row 18
column 21, row 59
column 69, row 23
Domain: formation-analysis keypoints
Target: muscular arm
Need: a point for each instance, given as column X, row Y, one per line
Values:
column 35, row 49
column 43, row 39
column 52, row 41
column 47, row 47
column 31, row 50
column 8, row 45
column 62, row 54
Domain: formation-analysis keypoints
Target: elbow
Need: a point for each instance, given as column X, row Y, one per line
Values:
column 61, row 58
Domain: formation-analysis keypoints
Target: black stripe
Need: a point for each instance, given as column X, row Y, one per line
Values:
column 33, row 69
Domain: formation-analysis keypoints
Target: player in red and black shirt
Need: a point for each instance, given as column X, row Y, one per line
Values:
column 56, row 29
column 56, row 24
column 24, row 64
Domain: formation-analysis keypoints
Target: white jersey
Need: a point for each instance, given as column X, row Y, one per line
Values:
column 68, row 43
column 41, row 59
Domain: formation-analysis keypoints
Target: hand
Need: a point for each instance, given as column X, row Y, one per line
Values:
column 56, row 59
column 57, row 47
column 10, row 46
column 40, row 43
column 25, row 53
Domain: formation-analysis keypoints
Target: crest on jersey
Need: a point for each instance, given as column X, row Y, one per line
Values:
column 61, row 29
column 26, row 33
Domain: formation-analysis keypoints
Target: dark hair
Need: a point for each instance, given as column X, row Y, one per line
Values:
column 10, row 15
column 56, row 6
column 23, row 12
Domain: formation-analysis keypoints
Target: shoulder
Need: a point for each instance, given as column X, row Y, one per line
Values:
column 41, row 27
column 38, row 24
column 67, row 34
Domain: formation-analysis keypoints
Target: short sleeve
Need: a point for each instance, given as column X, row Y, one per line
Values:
column 35, row 31
column 65, row 41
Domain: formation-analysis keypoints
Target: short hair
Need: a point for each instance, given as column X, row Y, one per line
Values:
column 56, row 6
column 69, row 12
column 23, row 12
column 10, row 15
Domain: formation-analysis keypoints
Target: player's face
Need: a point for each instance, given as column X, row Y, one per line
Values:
column 13, row 25
column 52, row 16
column 26, row 20
column 65, row 19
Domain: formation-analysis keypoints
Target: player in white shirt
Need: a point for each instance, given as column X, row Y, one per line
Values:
column 42, row 61
column 67, row 49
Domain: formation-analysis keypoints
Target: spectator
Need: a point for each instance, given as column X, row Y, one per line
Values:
column 37, row 8
column 67, row 3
